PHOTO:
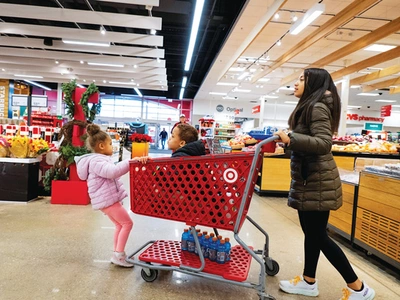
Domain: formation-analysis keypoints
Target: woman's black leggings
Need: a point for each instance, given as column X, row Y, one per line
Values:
column 316, row 239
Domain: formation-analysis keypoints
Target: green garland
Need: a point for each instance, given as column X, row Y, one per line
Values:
column 68, row 90
column 90, row 115
column 69, row 151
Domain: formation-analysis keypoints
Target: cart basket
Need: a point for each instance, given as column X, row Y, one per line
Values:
column 201, row 190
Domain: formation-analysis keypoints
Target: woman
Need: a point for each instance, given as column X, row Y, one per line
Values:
column 316, row 188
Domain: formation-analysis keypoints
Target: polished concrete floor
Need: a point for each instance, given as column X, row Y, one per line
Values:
column 62, row 252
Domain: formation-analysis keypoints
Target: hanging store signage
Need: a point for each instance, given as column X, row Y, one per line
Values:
column 22, row 100
column 386, row 111
column 256, row 109
column 19, row 100
column 4, row 98
column 356, row 117
column 39, row 100
column 373, row 126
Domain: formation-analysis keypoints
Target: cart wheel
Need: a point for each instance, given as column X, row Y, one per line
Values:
column 274, row 270
column 153, row 274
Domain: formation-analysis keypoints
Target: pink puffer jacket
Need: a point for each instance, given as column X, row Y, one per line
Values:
column 102, row 177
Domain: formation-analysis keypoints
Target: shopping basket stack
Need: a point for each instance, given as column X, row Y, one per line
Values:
column 210, row 190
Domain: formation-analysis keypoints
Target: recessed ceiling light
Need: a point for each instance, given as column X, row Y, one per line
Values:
column 57, row 62
column 228, row 83
column 388, row 101
column 82, row 62
column 379, row 47
column 215, row 93
column 368, row 94
column 355, row 86
column 105, row 65
column 135, row 66
column 3, row 70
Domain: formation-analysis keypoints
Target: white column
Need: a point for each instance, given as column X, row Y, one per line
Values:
column 262, row 106
column 345, row 101
column 59, row 111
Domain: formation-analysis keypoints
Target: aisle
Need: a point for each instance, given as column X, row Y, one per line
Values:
column 62, row 252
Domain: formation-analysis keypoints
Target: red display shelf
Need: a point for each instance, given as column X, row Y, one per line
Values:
column 169, row 253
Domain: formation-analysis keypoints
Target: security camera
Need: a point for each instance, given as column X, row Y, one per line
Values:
column 368, row 106
column 380, row 94
column 236, row 98
column 288, row 86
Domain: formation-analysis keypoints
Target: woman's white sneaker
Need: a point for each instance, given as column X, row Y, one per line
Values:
column 365, row 294
column 118, row 258
column 298, row 286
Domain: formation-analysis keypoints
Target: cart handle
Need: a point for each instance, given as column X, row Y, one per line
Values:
column 258, row 152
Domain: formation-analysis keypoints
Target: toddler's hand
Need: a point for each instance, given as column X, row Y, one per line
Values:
column 142, row 159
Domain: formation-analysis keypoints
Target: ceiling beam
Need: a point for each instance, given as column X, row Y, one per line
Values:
column 81, row 34
column 381, row 85
column 395, row 90
column 372, row 61
column 137, row 2
column 327, row 28
column 376, row 75
column 79, row 16
column 24, row 42
column 354, row 46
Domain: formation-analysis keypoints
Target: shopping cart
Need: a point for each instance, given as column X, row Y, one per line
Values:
column 213, row 191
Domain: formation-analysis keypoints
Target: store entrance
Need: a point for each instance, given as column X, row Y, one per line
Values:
column 159, row 144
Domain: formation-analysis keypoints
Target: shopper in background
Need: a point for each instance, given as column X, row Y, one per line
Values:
column 105, row 189
column 184, row 141
column 315, row 186
column 182, row 120
column 163, row 135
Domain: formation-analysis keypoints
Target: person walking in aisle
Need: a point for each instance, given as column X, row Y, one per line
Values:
column 163, row 135
column 182, row 120
column 105, row 189
column 315, row 187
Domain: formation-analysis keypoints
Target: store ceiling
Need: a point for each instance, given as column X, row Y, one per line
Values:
column 233, row 34
column 32, row 34
column 335, row 40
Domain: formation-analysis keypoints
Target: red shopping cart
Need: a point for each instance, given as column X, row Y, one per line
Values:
column 210, row 190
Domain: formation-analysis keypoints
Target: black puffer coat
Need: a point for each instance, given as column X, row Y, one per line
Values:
column 192, row 149
column 315, row 184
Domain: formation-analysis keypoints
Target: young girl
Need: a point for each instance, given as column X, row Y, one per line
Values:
column 105, row 189
column 184, row 141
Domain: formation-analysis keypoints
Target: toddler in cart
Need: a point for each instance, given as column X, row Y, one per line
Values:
column 105, row 189
column 184, row 141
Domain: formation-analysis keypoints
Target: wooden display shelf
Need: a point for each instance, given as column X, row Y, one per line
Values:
column 275, row 175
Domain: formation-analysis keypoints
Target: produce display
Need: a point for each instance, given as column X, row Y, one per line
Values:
column 240, row 141
column 22, row 146
column 387, row 169
column 376, row 146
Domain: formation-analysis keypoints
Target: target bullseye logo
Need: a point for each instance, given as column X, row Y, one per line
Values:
column 230, row 175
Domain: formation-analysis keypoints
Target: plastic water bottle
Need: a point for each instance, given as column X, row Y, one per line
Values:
column 219, row 239
column 184, row 240
column 190, row 243
column 227, row 250
column 221, row 252
column 212, row 253
column 204, row 247
column 200, row 239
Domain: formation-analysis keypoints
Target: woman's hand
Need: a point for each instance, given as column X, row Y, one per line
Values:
column 284, row 137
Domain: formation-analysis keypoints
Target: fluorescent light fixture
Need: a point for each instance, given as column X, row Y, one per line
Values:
column 80, row 85
column 83, row 43
column 181, row 93
column 286, row 88
column 313, row 13
column 122, row 82
column 237, row 69
column 229, row 98
column 368, row 94
column 38, row 85
column 291, row 102
column 193, row 33
column 388, row 101
column 379, row 48
column 353, row 106
column 215, row 93
column 243, row 75
column 228, row 83
column 241, row 91
column 355, row 86
column 138, row 92
column 184, row 81
column 263, row 80
column 105, row 65
column 270, row 97
column 27, row 76
column 153, row 31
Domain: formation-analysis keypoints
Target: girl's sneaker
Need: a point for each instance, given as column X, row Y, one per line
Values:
column 118, row 258
column 365, row 294
column 298, row 286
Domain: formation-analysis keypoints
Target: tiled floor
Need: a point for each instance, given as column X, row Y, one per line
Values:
column 62, row 252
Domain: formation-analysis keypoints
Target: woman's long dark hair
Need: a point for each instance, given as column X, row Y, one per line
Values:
column 316, row 83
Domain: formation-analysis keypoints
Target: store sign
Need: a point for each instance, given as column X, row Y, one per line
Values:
column 256, row 109
column 373, row 126
column 39, row 100
column 220, row 108
column 356, row 117
column 19, row 100
column 386, row 111
column 4, row 98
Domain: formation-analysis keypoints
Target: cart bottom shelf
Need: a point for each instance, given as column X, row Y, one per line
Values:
column 169, row 253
